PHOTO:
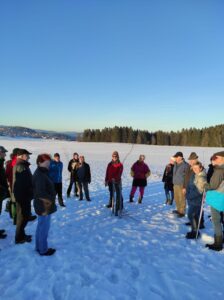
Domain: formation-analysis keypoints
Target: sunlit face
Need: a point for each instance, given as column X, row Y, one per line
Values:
column 197, row 169
column 179, row 159
column 218, row 160
column 25, row 157
column 114, row 157
column 141, row 158
column 81, row 159
column 75, row 157
column 57, row 158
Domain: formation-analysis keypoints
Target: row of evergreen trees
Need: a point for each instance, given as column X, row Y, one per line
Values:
column 206, row 137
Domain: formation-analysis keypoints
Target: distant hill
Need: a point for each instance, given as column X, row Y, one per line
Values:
column 19, row 131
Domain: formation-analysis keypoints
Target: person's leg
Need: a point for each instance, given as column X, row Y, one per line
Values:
column 86, row 190
column 218, row 236
column 43, row 230
column 167, row 194
column 141, row 191
column 70, row 187
column 118, row 197
column 76, row 189
column 182, row 200
column 19, row 223
column 110, row 188
column 133, row 191
column 176, row 197
column 80, row 191
column 59, row 192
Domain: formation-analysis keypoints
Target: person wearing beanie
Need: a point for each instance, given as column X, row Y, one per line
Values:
column 140, row 172
column 22, row 190
column 168, row 181
column 215, row 182
column 55, row 172
column 84, row 178
column 113, row 181
column 44, row 203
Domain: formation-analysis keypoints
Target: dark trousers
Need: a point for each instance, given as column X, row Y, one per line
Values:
column 58, row 189
column 84, row 185
column 22, row 216
column 116, row 188
column 193, row 216
column 72, row 181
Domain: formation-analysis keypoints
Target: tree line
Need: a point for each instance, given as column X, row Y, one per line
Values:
column 206, row 137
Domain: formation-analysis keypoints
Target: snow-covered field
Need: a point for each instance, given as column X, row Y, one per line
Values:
column 144, row 255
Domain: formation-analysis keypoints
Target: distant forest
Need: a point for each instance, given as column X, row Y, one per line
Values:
column 206, row 137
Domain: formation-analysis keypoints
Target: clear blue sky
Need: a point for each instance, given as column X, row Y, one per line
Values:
column 149, row 64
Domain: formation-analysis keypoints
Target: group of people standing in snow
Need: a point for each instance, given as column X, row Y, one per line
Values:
column 182, row 182
column 19, row 185
column 189, row 182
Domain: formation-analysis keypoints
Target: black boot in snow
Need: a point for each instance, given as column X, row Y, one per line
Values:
column 192, row 235
column 131, row 199
column 217, row 245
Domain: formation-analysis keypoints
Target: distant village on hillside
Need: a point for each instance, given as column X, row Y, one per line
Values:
column 18, row 131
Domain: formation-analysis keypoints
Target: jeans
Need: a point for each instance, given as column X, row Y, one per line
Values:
column 169, row 195
column 42, row 230
column 193, row 216
column 216, row 220
column 72, row 181
column 84, row 185
column 116, row 188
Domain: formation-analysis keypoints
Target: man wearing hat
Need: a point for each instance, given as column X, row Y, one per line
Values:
column 72, row 168
column 4, row 192
column 23, row 192
column 179, row 171
column 215, row 182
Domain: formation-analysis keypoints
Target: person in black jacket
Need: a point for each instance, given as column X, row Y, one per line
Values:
column 23, row 194
column 72, row 168
column 84, row 177
column 168, row 182
column 4, row 188
column 44, row 203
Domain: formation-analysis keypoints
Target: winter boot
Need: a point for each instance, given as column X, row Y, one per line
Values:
column 192, row 235
column 140, row 199
column 109, row 205
column 217, row 245
column 131, row 199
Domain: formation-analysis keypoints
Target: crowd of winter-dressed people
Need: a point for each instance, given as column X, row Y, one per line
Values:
column 189, row 182
column 183, row 182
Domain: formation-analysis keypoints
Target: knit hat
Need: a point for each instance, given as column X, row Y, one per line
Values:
column 193, row 156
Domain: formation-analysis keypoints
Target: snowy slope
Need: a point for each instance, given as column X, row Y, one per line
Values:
column 144, row 255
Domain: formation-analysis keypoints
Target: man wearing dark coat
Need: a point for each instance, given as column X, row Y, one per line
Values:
column 23, row 194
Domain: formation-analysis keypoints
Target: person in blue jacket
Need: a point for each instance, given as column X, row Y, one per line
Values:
column 55, row 172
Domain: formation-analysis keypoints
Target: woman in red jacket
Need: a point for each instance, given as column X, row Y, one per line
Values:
column 113, row 179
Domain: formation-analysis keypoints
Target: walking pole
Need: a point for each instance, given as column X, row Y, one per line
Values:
column 113, row 199
column 201, row 211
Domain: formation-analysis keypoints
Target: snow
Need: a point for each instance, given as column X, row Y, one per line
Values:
column 143, row 255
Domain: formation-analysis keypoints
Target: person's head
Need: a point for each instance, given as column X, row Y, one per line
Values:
column 3, row 152
column 81, row 159
column 172, row 160
column 178, row 157
column 23, row 154
column 141, row 158
column 115, row 156
column 57, row 157
column 44, row 160
column 193, row 159
column 75, row 156
column 218, row 158
column 197, row 167
column 15, row 151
